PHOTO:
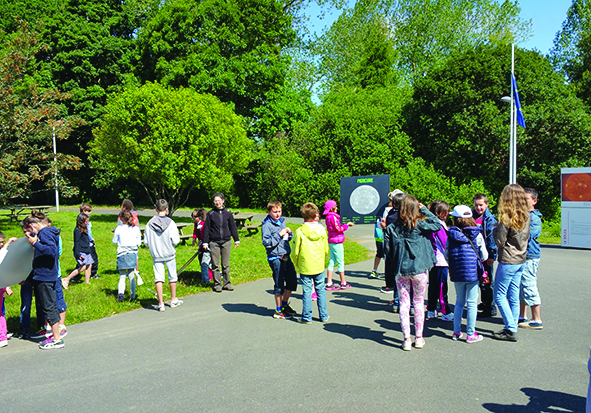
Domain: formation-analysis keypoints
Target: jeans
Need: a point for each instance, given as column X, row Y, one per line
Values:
column 123, row 274
column 316, row 281
column 466, row 292
column 437, row 290
column 26, row 302
column 205, row 261
column 506, row 293
column 486, row 291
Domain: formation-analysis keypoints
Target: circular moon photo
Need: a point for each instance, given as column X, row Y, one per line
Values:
column 364, row 199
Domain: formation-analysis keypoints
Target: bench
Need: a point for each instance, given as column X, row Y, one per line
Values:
column 184, row 238
column 253, row 228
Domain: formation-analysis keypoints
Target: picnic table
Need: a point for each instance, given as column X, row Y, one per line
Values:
column 179, row 226
column 16, row 210
column 241, row 219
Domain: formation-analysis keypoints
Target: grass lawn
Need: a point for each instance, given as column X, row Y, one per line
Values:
column 99, row 299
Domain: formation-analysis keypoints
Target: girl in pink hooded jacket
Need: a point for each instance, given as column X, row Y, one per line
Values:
column 336, row 238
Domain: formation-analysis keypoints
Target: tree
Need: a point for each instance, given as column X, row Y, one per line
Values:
column 170, row 141
column 458, row 124
column 231, row 49
column 28, row 116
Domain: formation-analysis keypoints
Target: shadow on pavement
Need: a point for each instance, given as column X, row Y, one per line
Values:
column 247, row 308
column 541, row 401
column 362, row 333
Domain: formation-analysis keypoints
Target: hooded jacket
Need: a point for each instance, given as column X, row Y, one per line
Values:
column 535, row 230
column 161, row 237
column 46, row 257
column 410, row 250
column 335, row 229
column 488, row 223
column 461, row 256
column 272, row 241
column 310, row 249
column 512, row 244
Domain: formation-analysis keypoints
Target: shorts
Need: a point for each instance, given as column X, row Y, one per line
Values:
column 159, row 271
column 284, row 276
column 380, row 249
column 528, row 290
column 59, row 296
column 84, row 259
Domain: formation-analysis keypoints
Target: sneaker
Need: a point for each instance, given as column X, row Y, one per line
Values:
column 3, row 343
column 95, row 277
column 314, row 296
column 431, row 314
column 281, row 314
column 474, row 338
column 412, row 310
column 49, row 344
column 120, row 298
column 345, row 286
column 41, row 333
column 9, row 336
column 22, row 336
column 177, row 303
column 419, row 342
column 333, row 287
column 395, row 308
column 536, row 325
column 326, row 319
column 447, row 317
column 457, row 336
column 523, row 322
column 374, row 274
column 63, row 332
column 288, row 310
column 387, row 290
column 228, row 288
column 406, row 345
column 217, row 289
column 505, row 335
column 302, row 321
column 161, row 308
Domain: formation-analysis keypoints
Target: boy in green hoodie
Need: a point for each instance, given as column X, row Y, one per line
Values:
column 310, row 251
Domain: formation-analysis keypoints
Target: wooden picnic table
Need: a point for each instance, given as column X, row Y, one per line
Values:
column 16, row 210
column 241, row 219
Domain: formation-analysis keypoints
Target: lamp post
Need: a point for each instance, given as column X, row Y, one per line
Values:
column 57, row 202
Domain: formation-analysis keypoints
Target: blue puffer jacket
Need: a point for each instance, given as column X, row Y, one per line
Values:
column 461, row 256
column 535, row 230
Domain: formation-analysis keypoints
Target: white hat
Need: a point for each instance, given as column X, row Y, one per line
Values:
column 461, row 211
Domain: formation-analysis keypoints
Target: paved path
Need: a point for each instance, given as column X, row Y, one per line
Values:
column 225, row 353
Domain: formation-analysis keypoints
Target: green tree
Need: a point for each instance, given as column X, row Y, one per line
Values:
column 458, row 124
column 28, row 116
column 231, row 49
column 170, row 141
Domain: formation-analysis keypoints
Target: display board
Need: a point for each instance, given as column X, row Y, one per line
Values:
column 576, row 207
column 17, row 263
column 363, row 198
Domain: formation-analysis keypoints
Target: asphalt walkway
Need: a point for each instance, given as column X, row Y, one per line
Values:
column 225, row 353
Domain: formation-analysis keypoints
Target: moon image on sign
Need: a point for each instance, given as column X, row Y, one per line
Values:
column 364, row 199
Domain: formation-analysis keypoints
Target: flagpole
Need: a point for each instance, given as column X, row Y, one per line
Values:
column 512, row 125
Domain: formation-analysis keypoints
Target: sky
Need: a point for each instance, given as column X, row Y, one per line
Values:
column 547, row 17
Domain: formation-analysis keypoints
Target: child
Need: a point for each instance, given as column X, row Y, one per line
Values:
column 128, row 239
column 336, row 238
column 310, row 250
column 511, row 236
column 528, row 291
column 81, row 251
column 127, row 205
column 86, row 209
column 464, row 249
column 390, row 217
column 406, row 243
column 437, row 292
column 7, row 290
column 45, row 240
column 199, row 216
column 276, row 237
column 161, row 238
column 486, row 221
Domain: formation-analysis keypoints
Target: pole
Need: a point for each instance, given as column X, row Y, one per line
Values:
column 512, row 137
column 57, row 202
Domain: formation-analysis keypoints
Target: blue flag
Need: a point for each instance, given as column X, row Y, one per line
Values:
column 520, row 119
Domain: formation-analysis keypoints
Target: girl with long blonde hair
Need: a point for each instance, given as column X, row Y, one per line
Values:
column 511, row 236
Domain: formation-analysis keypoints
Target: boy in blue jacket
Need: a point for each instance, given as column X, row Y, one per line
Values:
column 486, row 221
column 276, row 237
column 45, row 241
column 528, row 291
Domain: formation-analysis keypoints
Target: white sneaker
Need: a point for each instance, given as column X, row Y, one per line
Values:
column 431, row 314
column 176, row 303
column 3, row 343
column 447, row 317
column 161, row 308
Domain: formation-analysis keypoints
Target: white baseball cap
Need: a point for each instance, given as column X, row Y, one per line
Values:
column 461, row 211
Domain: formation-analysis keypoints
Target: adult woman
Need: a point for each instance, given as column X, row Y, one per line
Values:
column 411, row 255
column 218, row 230
column 511, row 236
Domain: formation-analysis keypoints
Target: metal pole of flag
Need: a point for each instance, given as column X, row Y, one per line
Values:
column 57, row 202
column 513, row 179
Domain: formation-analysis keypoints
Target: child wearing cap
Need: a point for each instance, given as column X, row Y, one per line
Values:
column 464, row 250
column 336, row 238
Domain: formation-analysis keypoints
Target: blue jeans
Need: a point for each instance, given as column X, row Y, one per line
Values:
column 506, row 293
column 466, row 292
column 205, row 261
column 318, row 282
